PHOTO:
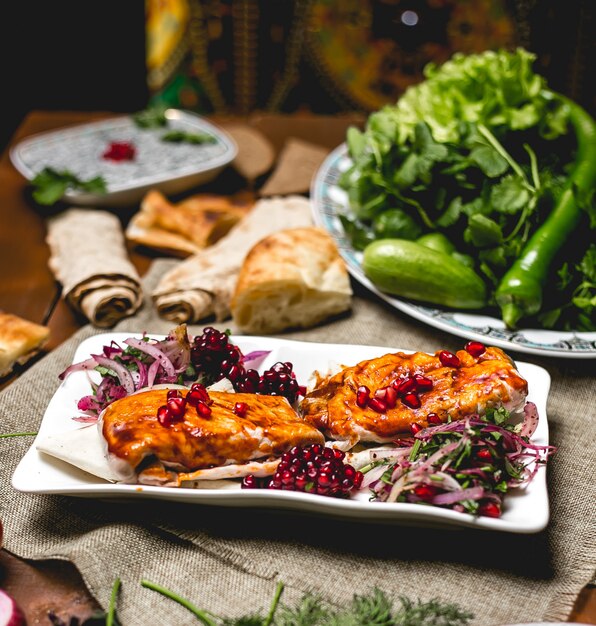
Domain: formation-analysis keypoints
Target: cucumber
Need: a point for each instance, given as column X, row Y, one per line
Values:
column 411, row 270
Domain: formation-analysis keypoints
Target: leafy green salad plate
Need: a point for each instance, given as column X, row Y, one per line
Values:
column 330, row 204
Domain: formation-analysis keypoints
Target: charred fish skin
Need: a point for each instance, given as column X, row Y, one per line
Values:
column 474, row 385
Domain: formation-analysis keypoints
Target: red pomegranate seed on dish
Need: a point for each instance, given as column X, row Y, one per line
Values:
column 426, row 492
column 362, row 396
column 120, row 151
column 433, row 418
column 406, row 386
column 411, row 400
column 475, row 348
column 422, row 382
column 240, row 409
column 173, row 393
column 164, row 417
column 380, row 394
column 176, row 406
column 489, row 509
column 390, row 397
column 377, row 405
column 203, row 410
column 484, row 454
column 198, row 392
column 448, row 359
column 416, row 428
column 249, row 482
column 302, row 390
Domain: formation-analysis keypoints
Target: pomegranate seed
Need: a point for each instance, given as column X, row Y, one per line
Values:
column 416, row 428
column 433, row 418
column 422, row 383
column 176, row 406
column 484, row 454
column 234, row 373
column 475, row 348
column 240, row 409
column 173, row 393
column 381, row 394
column 390, row 397
column 362, row 396
column 411, row 400
column 377, row 405
column 302, row 390
column 340, row 455
column 358, row 478
column 448, row 359
column 249, row 482
column 120, row 151
column 426, row 492
column 203, row 410
column 201, row 391
column 164, row 417
column 405, row 386
column 489, row 509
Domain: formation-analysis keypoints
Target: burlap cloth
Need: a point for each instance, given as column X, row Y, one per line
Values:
column 228, row 561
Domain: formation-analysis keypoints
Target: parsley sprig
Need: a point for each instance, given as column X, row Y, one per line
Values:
column 50, row 185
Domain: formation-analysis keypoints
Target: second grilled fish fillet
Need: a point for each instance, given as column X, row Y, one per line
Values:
column 269, row 428
column 479, row 383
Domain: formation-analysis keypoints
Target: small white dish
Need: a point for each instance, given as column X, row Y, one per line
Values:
column 169, row 167
column 525, row 510
column 329, row 201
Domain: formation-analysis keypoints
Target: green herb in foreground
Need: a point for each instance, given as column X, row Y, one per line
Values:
column 50, row 185
column 6, row 435
column 373, row 609
column 182, row 136
column 111, row 616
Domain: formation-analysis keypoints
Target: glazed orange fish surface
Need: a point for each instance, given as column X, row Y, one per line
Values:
column 478, row 383
column 270, row 427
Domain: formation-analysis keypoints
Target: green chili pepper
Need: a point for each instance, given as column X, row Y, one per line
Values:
column 520, row 292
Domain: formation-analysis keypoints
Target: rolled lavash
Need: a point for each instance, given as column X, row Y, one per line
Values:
column 203, row 284
column 89, row 259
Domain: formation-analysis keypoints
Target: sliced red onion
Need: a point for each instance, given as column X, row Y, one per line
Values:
column 10, row 613
column 120, row 371
column 89, row 364
column 255, row 358
column 473, row 493
column 89, row 403
column 372, row 475
column 85, row 419
column 156, row 353
column 152, row 373
column 530, row 420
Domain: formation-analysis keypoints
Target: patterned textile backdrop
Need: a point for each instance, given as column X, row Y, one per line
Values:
column 333, row 55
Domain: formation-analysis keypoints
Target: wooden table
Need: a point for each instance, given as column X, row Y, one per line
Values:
column 28, row 289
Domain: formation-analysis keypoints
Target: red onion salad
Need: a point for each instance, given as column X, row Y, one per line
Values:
column 466, row 465
column 178, row 359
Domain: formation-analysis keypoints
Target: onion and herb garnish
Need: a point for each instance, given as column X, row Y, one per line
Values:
column 179, row 359
column 467, row 465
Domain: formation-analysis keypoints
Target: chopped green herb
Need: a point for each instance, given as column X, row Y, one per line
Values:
column 6, row 435
column 182, row 136
column 50, row 185
column 153, row 117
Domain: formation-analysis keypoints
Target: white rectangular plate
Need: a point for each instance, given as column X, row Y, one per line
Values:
column 525, row 510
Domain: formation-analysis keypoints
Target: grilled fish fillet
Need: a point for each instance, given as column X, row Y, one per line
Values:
column 138, row 442
column 479, row 383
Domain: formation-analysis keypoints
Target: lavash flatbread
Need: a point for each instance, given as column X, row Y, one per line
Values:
column 291, row 279
column 89, row 259
column 203, row 284
column 186, row 227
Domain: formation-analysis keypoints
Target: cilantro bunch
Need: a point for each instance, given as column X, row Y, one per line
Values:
column 478, row 151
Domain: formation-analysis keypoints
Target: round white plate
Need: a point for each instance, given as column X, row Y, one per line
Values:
column 329, row 201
